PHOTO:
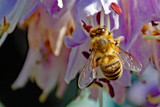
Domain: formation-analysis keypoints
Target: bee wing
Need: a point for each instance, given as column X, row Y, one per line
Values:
column 87, row 74
column 129, row 61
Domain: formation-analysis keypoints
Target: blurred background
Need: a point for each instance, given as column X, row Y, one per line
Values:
column 12, row 57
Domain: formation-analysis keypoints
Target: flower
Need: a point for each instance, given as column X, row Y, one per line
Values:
column 13, row 10
column 92, row 12
column 79, row 39
column 4, row 27
column 89, row 12
column 139, row 21
column 143, row 91
column 47, row 57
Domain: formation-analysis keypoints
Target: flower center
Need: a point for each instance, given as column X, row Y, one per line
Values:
column 151, row 31
column 45, row 53
column 155, row 100
column 103, row 19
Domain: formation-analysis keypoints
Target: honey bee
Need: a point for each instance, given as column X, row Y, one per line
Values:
column 106, row 54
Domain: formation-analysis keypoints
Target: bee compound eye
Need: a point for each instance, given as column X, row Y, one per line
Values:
column 103, row 30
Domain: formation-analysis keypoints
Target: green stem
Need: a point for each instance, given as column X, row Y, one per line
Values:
column 100, row 97
column 151, row 37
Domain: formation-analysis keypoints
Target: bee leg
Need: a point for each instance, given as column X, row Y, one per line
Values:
column 120, row 38
column 111, row 90
column 94, row 64
column 94, row 73
column 96, row 83
column 104, row 80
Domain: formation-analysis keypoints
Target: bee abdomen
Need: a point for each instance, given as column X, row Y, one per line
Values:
column 114, row 76
column 112, row 71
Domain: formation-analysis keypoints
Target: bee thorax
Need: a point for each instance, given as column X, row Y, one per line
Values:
column 100, row 44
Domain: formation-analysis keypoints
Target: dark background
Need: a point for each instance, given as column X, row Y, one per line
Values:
column 12, row 57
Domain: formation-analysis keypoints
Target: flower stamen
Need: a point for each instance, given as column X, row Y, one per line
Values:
column 116, row 8
column 4, row 27
column 102, row 18
column 108, row 22
column 86, row 27
column 157, row 37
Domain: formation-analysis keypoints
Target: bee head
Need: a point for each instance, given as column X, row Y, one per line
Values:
column 97, row 31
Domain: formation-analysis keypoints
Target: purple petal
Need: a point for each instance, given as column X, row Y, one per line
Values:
column 122, row 30
column 51, row 23
column 142, row 10
column 140, row 51
column 6, row 6
column 119, row 91
column 73, row 65
column 85, row 8
column 78, row 37
column 30, row 7
column 52, row 8
column 69, row 43
column 142, row 89
column 76, row 61
column 139, row 15
column 13, row 14
column 125, row 79
column 89, row 7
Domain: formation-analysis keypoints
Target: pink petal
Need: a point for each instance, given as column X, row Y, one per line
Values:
column 34, row 31
column 48, row 73
column 26, row 70
column 56, row 39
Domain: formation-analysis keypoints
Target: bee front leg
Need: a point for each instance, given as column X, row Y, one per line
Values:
column 119, row 40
